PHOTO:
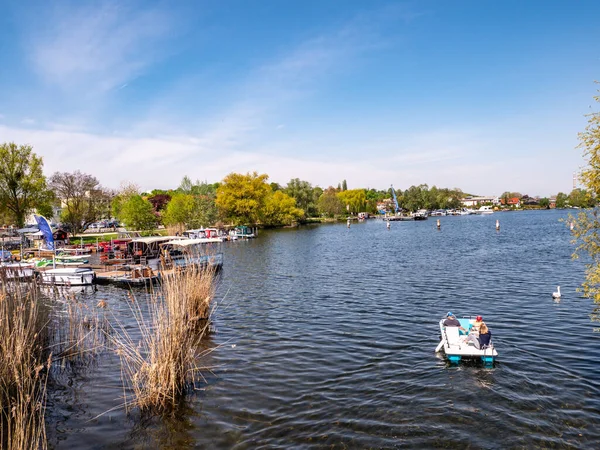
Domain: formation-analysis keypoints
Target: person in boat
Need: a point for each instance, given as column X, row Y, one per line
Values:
column 480, row 334
column 452, row 321
column 485, row 335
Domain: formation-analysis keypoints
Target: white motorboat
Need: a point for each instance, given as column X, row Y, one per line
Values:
column 485, row 210
column 455, row 343
column 17, row 271
column 421, row 214
column 68, row 276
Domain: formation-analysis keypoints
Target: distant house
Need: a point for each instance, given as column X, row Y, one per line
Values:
column 477, row 201
column 552, row 202
column 513, row 201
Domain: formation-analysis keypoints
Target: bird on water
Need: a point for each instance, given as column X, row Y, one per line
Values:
column 557, row 293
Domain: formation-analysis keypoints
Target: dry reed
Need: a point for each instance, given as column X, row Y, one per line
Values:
column 80, row 333
column 163, row 364
column 24, row 366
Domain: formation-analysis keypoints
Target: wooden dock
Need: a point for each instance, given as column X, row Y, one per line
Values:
column 127, row 276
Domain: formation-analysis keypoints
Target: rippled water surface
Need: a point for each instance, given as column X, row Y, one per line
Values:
column 325, row 337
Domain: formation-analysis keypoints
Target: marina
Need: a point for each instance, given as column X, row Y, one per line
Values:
column 293, row 308
column 249, row 225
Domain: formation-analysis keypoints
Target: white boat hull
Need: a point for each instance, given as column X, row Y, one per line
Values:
column 68, row 277
column 17, row 271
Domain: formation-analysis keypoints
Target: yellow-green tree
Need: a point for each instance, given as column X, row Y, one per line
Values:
column 280, row 209
column 241, row 198
column 587, row 224
column 355, row 199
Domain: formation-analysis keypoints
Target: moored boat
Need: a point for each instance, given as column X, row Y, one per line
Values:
column 485, row 210
column 191, row 252
column 242, row 232
column 16, row 271
column 421, row 214
column 68, row 276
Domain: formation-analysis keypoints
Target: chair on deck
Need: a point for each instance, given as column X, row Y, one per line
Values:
column 452, row 336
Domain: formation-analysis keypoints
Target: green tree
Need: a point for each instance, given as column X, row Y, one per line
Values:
column 280, row 209
column 344, row 186
column 45, row 209
column 544, row 202
column 179, row 210
column 22, row 182
column 330, row 204
column 561, row 200
column 186, row 185
column 138, row 213
column 302, row 192
column 83, row 199
column 415, row 197
column 241, row 198
column 126, row 190
column 190, row 211
column 577, row 198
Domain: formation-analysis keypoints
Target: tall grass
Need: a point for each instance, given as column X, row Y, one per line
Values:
column 23, row 367
column 163, row 363
column 78, row 335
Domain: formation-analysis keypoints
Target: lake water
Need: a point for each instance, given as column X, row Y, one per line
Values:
column 325, row 337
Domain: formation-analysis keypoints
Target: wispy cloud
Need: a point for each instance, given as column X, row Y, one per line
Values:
column 98, row 48
column 162, row 162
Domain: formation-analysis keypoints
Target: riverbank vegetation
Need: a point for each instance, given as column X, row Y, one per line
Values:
column 586, row 232
column 77, row 200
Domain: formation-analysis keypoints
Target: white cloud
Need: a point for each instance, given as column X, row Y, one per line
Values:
column 162, row 162
column 96, row 48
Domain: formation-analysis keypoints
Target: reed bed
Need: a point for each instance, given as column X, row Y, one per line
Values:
column 24, row 364
column 78, row 333
column 162, row 363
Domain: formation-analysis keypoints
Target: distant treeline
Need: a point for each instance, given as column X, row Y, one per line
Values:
column 80, row 200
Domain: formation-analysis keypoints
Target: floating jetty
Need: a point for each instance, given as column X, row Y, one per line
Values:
column 127, row 276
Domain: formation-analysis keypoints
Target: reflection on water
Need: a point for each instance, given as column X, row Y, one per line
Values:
column 325, row 337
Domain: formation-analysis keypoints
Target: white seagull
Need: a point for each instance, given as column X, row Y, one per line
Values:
column 557, row 293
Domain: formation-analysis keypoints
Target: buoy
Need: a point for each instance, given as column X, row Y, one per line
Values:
column 348, row 223
column 557, row 293
column 572, row 226
column 439, row 225
column 497, row 225
column 388, row 225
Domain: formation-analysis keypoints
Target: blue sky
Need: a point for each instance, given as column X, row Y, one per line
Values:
column 485, row 96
